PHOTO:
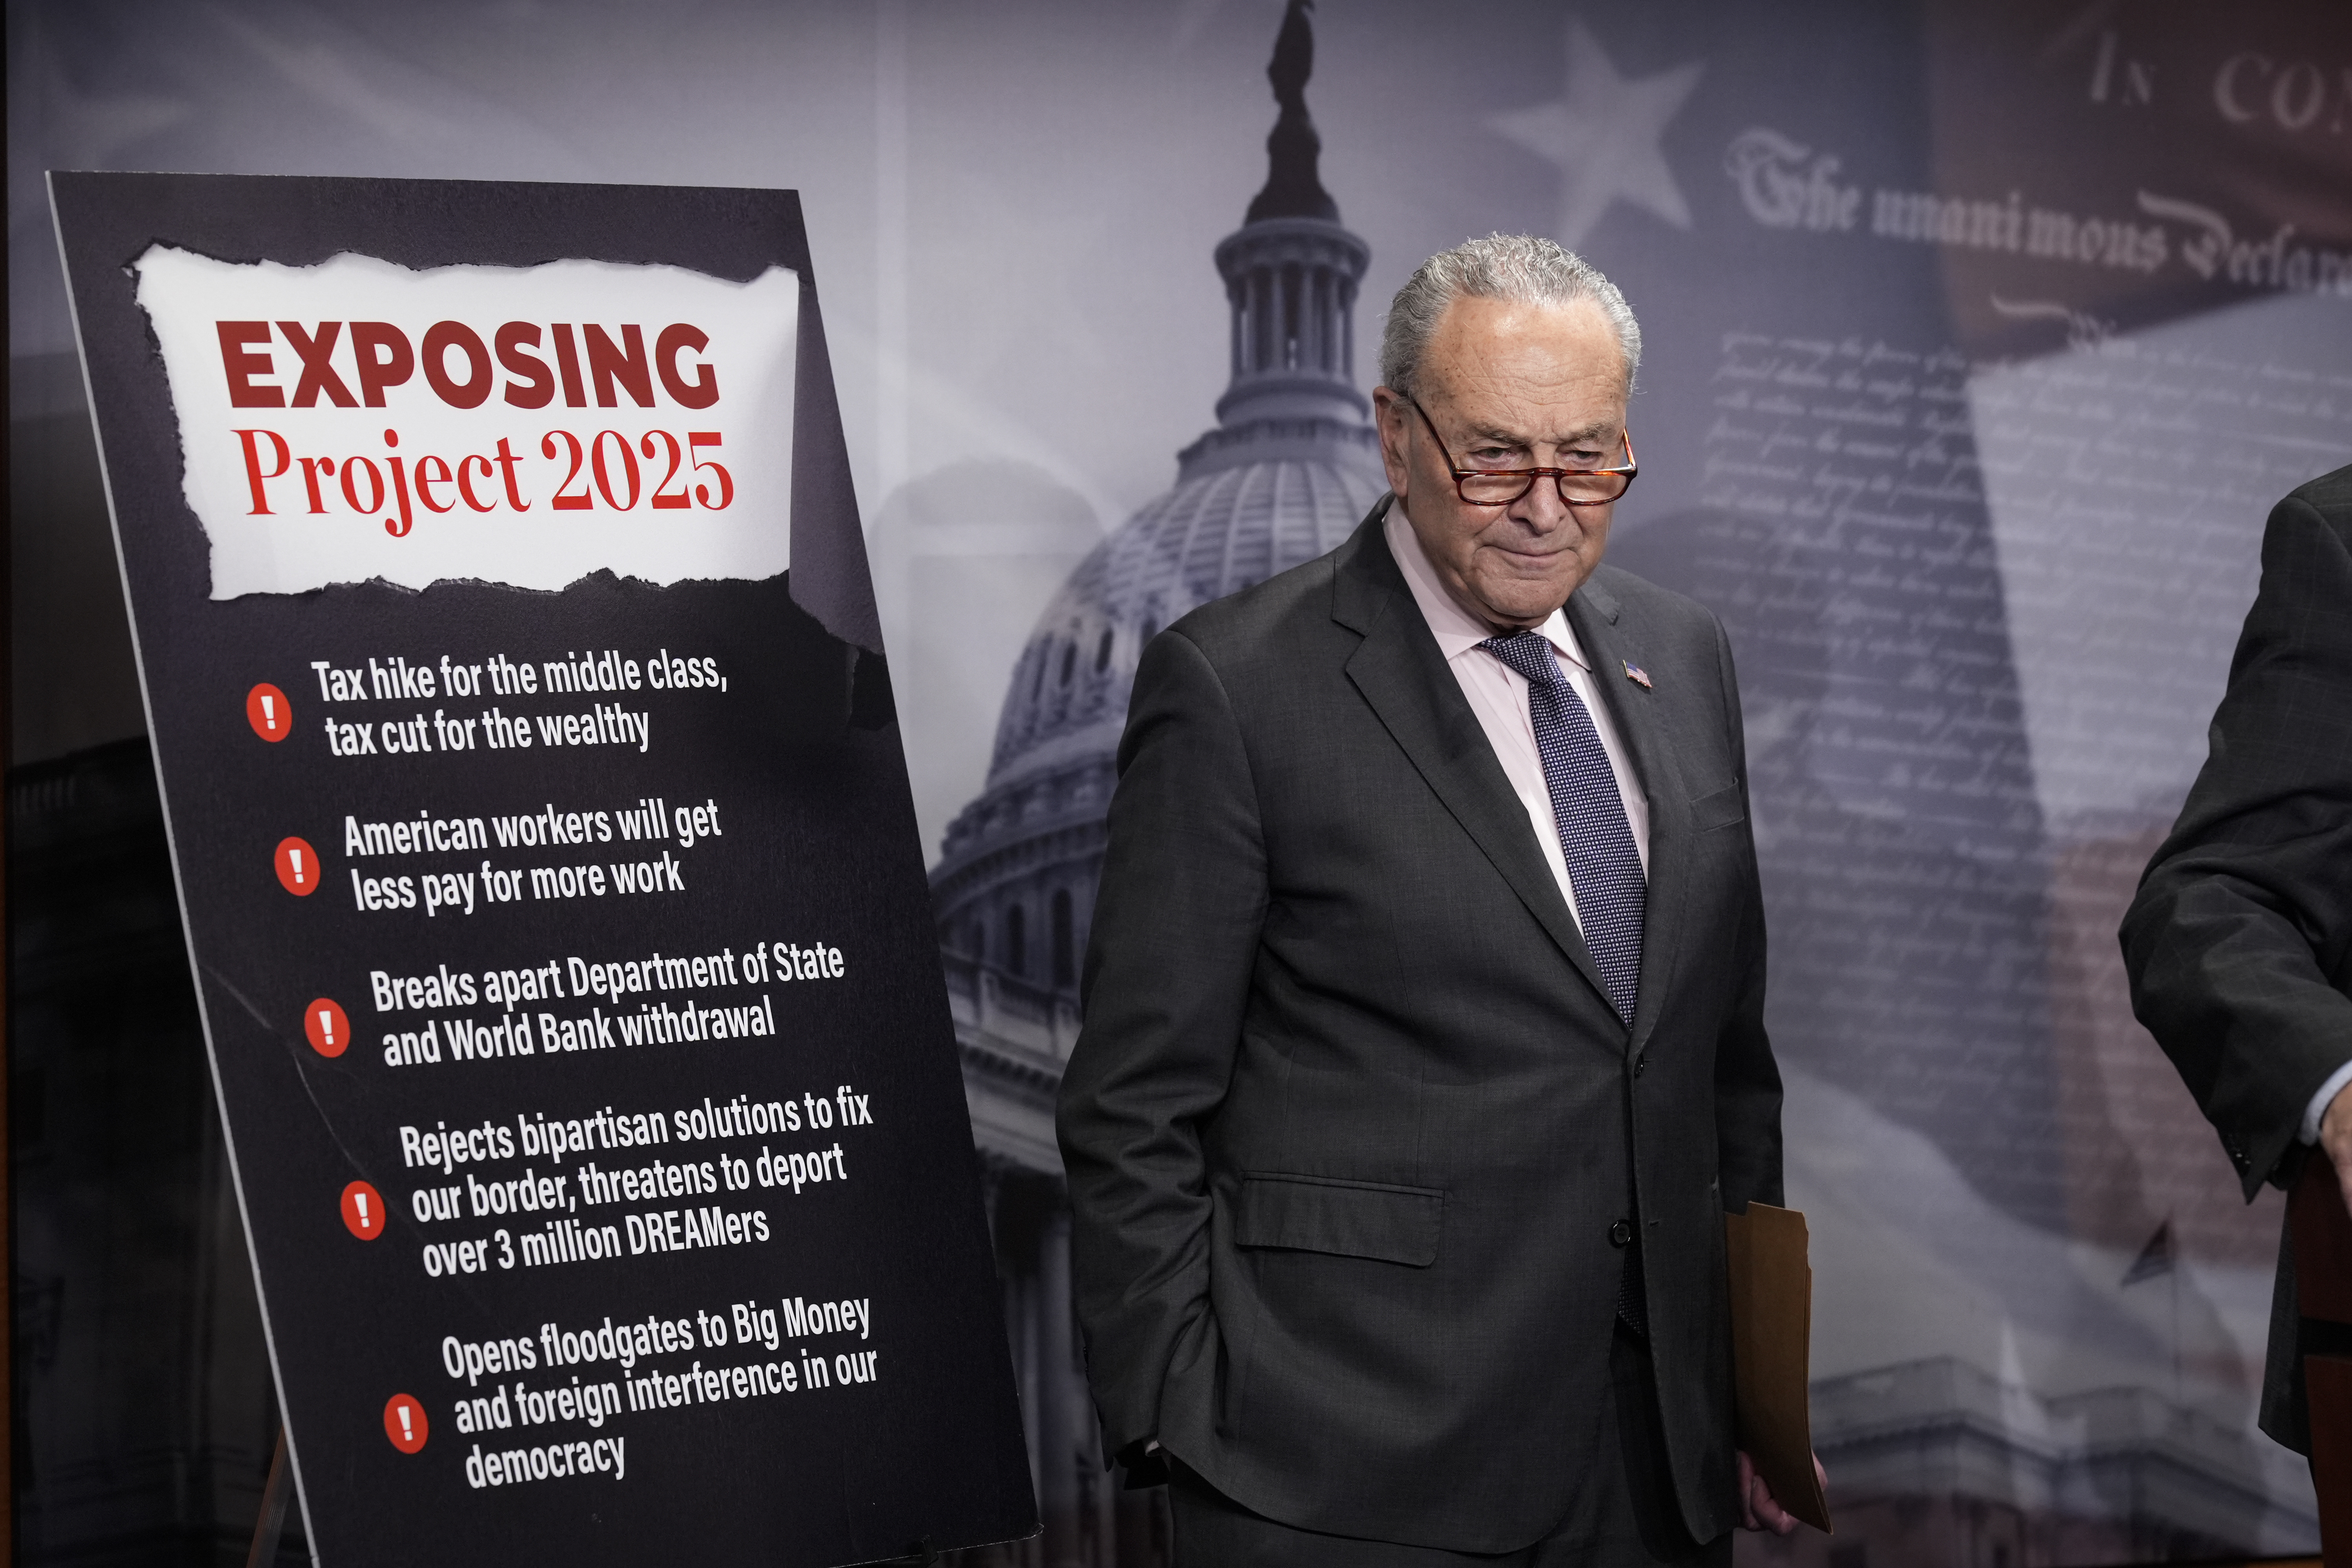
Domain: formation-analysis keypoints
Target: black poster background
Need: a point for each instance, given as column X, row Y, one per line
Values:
column 803, row 756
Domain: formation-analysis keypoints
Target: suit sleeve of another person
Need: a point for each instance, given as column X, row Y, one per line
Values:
column 1168, row 969
column 1747, row 1078
column 2237, row 942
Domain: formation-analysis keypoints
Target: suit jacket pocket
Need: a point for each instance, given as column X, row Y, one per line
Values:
column 1352, row 1219
column 1717, row 808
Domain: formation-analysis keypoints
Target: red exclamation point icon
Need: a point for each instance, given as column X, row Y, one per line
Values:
column 267, row 709
column 364, row 1211
column 330, row 1031
column 298, row 866
column 403, row 1422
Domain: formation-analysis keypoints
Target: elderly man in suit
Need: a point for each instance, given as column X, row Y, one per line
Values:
column 1424, row 1047
column 2240, row 942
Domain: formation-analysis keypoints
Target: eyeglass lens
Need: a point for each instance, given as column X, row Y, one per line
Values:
column 1501, row 488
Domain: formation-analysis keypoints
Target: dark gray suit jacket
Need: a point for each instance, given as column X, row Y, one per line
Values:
column 2240, row 942
column 1349, row 1120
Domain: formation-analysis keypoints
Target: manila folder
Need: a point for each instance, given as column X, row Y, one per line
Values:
column 1771, row 1335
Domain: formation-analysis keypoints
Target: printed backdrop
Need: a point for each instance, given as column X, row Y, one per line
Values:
column 1981, row 339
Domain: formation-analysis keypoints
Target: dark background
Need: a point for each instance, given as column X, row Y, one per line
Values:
column 818, row 847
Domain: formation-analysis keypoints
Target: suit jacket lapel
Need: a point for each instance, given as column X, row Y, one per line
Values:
column 1403, row 678
column 1642, row 718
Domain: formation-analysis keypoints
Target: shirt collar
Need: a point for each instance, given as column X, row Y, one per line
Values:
column 1456, row 629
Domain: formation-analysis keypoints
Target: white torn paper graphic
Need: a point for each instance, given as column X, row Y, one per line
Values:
column 522, row 425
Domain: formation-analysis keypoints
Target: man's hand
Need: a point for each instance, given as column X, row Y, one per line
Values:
column 1760, row 1510
column 2336, row 1137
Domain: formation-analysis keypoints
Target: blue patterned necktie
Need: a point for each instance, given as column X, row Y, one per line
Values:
column 1603, row 866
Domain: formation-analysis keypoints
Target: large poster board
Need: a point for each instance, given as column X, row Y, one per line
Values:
column 547, row 868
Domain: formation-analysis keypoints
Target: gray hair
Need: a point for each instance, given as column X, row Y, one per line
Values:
column 1521, row 267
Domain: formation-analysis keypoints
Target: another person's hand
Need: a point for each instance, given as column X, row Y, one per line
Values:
column 1759, row 1509
column 2336, row 1137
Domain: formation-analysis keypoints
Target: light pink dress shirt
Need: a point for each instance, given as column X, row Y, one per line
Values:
column 1498, row 696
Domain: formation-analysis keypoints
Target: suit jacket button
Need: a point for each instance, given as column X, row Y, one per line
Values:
column 1620, row 1234
column 1640, row 1062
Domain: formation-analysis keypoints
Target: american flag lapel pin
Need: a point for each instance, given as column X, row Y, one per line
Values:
column 1639, row 676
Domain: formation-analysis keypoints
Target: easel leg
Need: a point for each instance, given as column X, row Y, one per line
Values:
column 2321, row 1232
column 2329, row 1379
column 275, row 1493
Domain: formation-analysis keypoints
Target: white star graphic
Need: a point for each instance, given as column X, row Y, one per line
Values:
column 1603, row 133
